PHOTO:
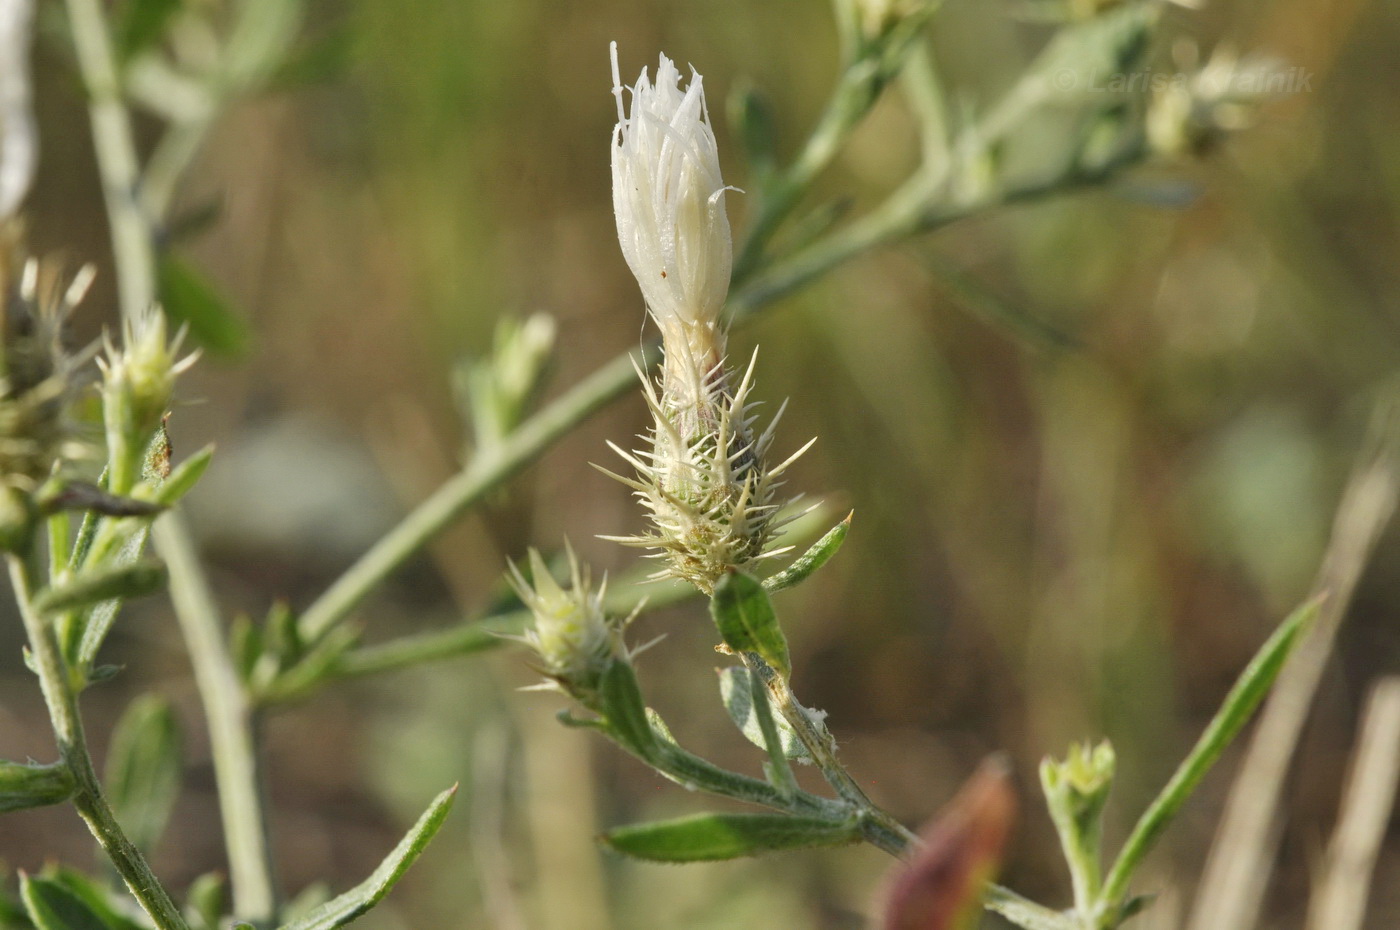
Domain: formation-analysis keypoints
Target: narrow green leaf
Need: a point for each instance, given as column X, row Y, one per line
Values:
column 183, row 477
column 814, row 558
column 26, row 786
column 189, row 298
column 104, row 584
column 141, row 24
column 746, row 620
column 625, row 709
column 736, row 689
column 144, row 769
column 107, row 902
column 1251, row 687
column 342, row 910
column 707, row 837
column 54, row 907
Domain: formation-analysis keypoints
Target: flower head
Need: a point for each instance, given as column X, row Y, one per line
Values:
column 38, row 378
column 572, row 633
column 703, row 476
column 668, row 198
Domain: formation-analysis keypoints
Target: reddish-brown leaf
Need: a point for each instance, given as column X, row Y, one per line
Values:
column 941, row 887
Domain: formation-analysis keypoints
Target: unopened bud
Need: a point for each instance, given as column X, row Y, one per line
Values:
column 572, row 634
column 138, row 381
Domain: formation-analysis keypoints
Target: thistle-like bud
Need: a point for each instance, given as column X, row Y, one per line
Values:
column 704, row 478
column 138, row 381
column 572, row 633
column 1196, row 110
column 37, row 377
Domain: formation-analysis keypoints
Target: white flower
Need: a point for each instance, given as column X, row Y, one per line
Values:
column 18, row 148
column 669, row 200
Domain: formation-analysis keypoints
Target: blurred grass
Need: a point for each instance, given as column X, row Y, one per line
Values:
column 1048, row 545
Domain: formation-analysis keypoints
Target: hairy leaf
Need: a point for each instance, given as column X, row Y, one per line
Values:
column 746, row 620
column 25, row 786
column 51, row 906
column 705, row 837
column 814, row 558
column 144, row 769
column 736, row 689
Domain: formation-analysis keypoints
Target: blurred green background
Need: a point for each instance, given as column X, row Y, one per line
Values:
column 1049, row 544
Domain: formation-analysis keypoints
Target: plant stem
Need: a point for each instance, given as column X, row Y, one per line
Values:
column 780, row 771
column 697, row 774
column 61, row 698
column 230, row 720
column 485, row 473
column 821, row 746
column 232, row 726
column 117, row 164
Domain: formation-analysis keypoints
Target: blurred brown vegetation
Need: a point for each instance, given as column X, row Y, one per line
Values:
column 1049, row 544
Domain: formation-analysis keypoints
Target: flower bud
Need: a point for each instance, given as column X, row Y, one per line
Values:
column 571, row 634
column 138, row 381
column 37, row 377
column 1192, row 113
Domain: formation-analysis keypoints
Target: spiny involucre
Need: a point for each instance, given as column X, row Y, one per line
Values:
column 571, row 633
column 703, row 478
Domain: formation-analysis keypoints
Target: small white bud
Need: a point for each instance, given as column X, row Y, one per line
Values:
column 668, row 198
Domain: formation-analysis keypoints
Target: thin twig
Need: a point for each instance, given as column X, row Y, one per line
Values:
column 1339, row 901
column 232, row 726
column 62, row 700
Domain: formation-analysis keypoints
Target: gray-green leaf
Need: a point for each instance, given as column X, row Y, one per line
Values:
column 736, row 689
column 53, row 907
column 342, row 910
column 624, row 707
column 144, row 769
column 814, row 558
column 746, row 620
column 706, row 837
column 111, row 582
column 25, row 786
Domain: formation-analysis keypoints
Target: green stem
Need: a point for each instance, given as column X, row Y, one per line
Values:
column 779, row 768
column 232, row 726
column 61, row 698
column 850, row 100
column 821, row 746
column 696, row 773
column 132, row 247
column 1253, row 684
column 485, row 474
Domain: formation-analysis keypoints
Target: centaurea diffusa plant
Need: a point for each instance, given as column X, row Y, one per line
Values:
column 703, row 475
